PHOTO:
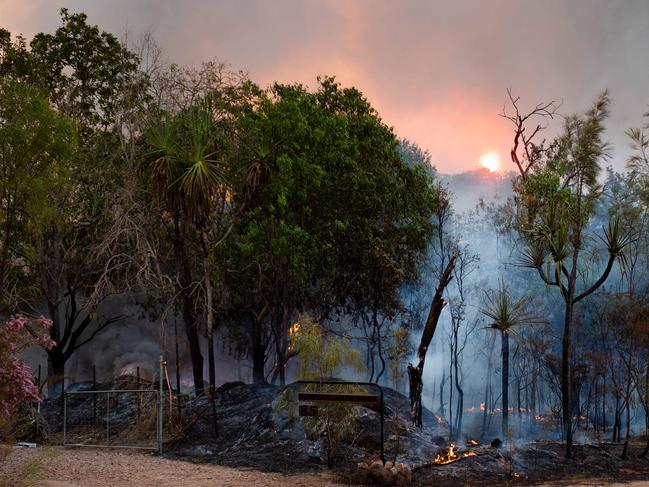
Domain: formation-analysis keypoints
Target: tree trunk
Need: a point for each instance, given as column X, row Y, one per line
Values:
column 442, row 410
column 504, row 339
column 209, row 311
column 415, row 373
column 4, row 253
column 56, row 372
column 566, row 385
column 189, row 318
column 258, row 353
column 645, row 452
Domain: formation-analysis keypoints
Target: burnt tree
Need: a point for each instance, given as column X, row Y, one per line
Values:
column 415, row 373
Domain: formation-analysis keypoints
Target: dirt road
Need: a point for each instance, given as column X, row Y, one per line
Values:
column 104, row 468
column 59, row 467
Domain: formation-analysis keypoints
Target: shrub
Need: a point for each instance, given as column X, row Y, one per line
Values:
column 16, row 381
column 321, row 358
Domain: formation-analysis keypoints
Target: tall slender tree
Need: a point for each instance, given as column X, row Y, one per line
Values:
column 504, row 315
column 556, row 193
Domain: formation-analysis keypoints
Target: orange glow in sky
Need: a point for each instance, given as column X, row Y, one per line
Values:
column 490, row 161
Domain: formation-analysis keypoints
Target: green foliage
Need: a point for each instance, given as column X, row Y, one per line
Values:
column 338, row 215
column 398, row 352
column 36, row 146
column 322, row 357
column 638, row 162
column 505, row 313
column 84, row 70
column 559, row 196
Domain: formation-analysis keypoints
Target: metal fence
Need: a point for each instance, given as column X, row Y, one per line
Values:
column 115, row 418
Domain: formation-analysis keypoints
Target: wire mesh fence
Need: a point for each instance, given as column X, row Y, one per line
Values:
column 113, row 418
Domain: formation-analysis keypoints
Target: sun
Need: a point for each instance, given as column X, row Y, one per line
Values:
column 490, row 161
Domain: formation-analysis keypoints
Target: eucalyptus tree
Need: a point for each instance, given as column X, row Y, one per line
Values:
column 80, row 72
column 555, row 195
column 505, row 314
column 36, row 144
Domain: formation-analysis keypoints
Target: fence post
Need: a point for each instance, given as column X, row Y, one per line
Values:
column 94, row 398
column 108, row 419
column 65, row 419
column 160, row 421
column 139, row 394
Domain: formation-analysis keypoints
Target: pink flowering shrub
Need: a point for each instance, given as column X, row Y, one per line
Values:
column 16, row 381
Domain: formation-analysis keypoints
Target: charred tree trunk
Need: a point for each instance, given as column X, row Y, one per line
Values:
column 627, row 435
column 415, row 373
column 258, row 353
column 56, row 372
column 566, row 349
column 442, row 410
column 189, row 317
column 504, row 341
column 645, row 452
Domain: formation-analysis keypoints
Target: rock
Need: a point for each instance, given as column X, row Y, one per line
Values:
column 383, row 476
column 362, row 474
column 389, row 465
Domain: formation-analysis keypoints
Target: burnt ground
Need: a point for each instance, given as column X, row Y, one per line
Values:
column 254, row 432
column 539, row 463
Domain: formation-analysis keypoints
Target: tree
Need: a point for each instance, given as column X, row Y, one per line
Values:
column 466, row 263
column 35, row 144
column 505, row 315
column 338, row 220
column 415, row 373
column 322, row 358
column 81, row 72
column 556, row 192
column 443, row 272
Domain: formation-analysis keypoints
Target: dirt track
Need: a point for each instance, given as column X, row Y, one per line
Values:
column 103, row 468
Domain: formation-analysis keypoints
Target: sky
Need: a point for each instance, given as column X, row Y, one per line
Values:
column 436, row 71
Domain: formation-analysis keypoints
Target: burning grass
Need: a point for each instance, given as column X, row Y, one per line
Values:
column 527, row 463
column 450, row 455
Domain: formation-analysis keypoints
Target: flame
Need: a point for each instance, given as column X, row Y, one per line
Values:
column 450, row 455
column 292, row 332
column 472, row 442
column 473, row 409
column 294, row 328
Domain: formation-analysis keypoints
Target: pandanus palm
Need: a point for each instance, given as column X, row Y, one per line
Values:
column 188, row 163
column 505, row 314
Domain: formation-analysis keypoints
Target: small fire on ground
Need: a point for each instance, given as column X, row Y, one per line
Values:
column 450, row 455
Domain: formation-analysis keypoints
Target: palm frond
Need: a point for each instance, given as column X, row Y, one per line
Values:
column 505, row 313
